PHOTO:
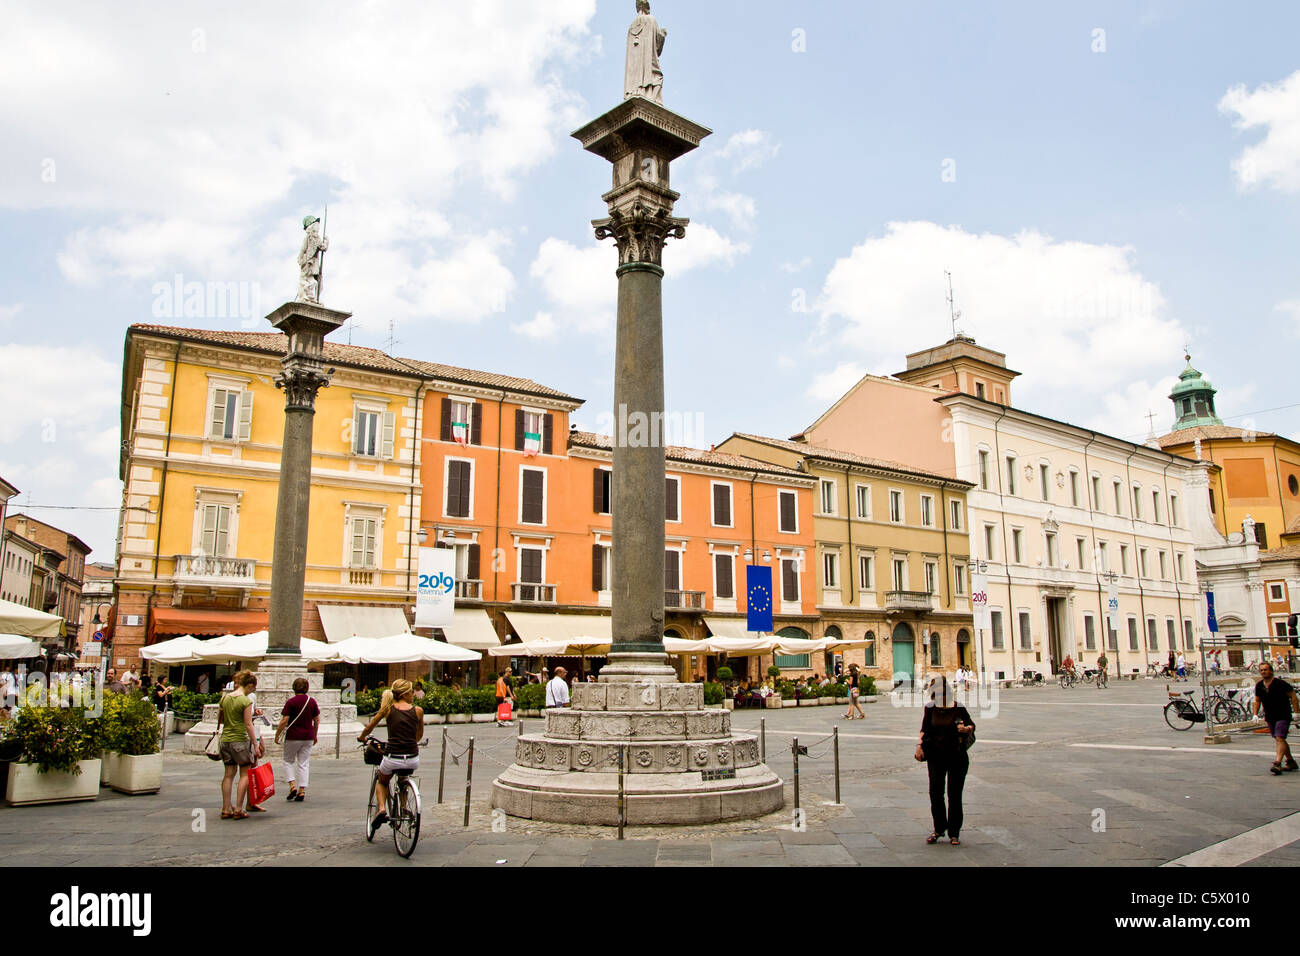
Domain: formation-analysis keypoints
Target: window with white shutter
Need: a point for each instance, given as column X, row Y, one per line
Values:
column 215, row 540
column 365, row 532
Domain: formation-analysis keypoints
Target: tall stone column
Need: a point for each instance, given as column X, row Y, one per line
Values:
column 639, row 138
column 306, row 324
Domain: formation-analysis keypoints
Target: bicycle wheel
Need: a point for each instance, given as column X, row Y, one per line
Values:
column 406, row 827
column 1179, row 714
column 1063, row 681
column 372, row 810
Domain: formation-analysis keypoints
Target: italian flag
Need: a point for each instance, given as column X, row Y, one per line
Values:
column 460, row 432
column 532, row 443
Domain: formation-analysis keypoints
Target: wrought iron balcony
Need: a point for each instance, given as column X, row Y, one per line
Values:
column 909, row 601
column 684, row 600
column 526, row 593
column 207, row 571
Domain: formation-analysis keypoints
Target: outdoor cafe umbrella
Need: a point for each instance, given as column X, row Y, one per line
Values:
column 28, row 622
column 247, row 647
column 14, row 646
column 398, row 649
column 177, row 651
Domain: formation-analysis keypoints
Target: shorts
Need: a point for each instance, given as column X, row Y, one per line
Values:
column 1278, row 728
column 237, row 753
column 389, row 765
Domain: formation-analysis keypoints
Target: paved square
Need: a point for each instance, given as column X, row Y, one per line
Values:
column 1076, row 777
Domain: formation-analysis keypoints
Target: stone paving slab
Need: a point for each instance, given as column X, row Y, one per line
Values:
column 1033, row 804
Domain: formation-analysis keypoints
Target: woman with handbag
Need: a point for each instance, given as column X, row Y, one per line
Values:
column 855, row 691
column 299, row 725
column 947, row 732
column 239, row 751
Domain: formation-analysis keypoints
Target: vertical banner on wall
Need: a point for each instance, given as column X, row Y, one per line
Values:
column 1112, row 604
column 979, row 601
column 435, row 596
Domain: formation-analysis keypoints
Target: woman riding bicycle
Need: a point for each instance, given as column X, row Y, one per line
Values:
column 405, row 728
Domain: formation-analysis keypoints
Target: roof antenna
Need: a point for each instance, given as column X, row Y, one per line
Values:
column 393, row 340
column 953, row 313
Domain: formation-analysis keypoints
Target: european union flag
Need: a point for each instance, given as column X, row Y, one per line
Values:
column 758, row 588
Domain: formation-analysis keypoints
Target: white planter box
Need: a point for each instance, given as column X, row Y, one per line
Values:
column 790, row 703
column 867, row 700
column 825, row 701
column 843, row 700
column 27, row 785
column 483, row 718
column 530, row 713
column 774, row 702
column 131, row 774
column 435, row 718
column 105, row 761
column 459, row 718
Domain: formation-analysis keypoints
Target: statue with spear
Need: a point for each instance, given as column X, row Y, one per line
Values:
column 311, row 258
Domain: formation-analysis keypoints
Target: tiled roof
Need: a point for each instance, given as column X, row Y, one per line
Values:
column 695, row 456
column 1186, row 436
column 1294, row 526
column 1290, row 553
column 849, row 458
column 357, row 356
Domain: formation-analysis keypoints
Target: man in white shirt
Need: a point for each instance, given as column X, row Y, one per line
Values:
column 557, row 691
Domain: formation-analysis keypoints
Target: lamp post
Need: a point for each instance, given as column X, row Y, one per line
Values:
column 1112, row 613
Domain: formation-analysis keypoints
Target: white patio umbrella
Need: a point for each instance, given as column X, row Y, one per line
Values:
column 177, row 651
column 741, row 646
column 27, row 621
column 398, row 649
column 247, row 647
column 14, row 646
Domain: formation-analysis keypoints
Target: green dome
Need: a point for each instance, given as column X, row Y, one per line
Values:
column 1193, row 399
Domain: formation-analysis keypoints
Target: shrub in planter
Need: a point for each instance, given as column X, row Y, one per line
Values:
column 131, row 726
column 724, row 674
column 530, row 697
column 57, row 738
column 713, row 694
column 866, row 686
column 773, row 671
column 786, row 689
column 188, row 704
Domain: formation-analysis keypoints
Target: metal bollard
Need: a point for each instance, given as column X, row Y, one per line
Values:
column 442, row 764
column 622, row 809
column 338, row 727
column 836, row 738
column 762, row 738
column 469, row 777
column 795, row 750
column 163, row 735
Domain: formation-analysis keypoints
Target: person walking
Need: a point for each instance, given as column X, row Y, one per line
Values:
column 239, row 749
column 504, row 693
column 405, row 723
column 298, row 728
column 1182, row 666
column 855, row 691
column 1278, row 699
column 557, row 691
column 162, row 694
column 946, row 727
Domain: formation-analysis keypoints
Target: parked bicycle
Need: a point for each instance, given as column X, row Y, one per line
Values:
column 1182, row 711
column 1029, row 678
column 403, row 801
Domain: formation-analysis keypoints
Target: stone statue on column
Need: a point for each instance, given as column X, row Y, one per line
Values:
column 645, row 41
column 311, row 259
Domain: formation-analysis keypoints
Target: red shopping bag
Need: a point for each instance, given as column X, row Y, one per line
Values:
column 504, row 710
column 261, row 783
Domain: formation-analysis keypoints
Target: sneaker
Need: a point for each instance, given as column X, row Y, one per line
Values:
column 1290, row 765
column 380, row 819
column 1275, row 770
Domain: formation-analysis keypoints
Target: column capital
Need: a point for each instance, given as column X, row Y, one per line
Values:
column 640, row 231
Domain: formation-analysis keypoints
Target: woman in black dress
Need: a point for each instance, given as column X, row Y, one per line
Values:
column 946, row 729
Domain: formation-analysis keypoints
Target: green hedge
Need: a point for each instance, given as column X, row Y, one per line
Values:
column 713, row 694
column 187, row 703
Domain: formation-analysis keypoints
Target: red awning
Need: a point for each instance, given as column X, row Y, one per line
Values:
column 170, row 621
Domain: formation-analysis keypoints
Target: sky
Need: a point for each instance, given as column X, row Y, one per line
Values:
column 1107, row 183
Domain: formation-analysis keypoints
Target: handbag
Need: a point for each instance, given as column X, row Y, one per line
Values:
column 212, row 750
column 281, row 734
column 505, row 711
column 261, row 783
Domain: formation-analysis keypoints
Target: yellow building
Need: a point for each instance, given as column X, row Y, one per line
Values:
column 202, row 423
column 891, row 557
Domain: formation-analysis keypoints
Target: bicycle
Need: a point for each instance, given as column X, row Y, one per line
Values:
column 1030, row 678
column 1227, row 709
column 403, row 801
column 1068, row 679
column 1182, row 712
column 1101, row 679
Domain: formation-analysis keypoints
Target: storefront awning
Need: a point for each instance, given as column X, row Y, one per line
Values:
column 342, row 621
column 575, row 630
column 731, row 627
column 166, row 621
column 471, row 628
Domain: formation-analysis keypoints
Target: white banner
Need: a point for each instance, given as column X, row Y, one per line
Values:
column 435, row 599
column 979, row 601
column 1112, row 604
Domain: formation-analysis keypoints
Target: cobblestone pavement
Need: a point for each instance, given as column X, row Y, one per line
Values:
column 1058, row 777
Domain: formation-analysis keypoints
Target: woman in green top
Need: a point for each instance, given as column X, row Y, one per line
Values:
column 238, row 750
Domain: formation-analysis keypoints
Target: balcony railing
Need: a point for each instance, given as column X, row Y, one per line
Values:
column 469, row 590
column 213, row 571
column 909, row 601
column 534, row 593
column 360, row 577
column 684, row 600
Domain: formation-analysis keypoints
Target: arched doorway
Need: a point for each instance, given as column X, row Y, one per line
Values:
column 963, row 650
column 903, row 641
column 832, row 658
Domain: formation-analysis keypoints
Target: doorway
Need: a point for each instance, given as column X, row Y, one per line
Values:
column 963, row 650
column 1056, row 631
column 904, row 654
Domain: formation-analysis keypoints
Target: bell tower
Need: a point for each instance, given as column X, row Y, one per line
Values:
column 1193, row 399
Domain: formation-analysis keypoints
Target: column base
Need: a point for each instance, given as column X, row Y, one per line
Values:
column 637, row 667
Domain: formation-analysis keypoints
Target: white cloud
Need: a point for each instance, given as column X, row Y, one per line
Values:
column 739, row 208
column 703, row 246
column 1080, row 318
column 7, row 312
column 793, row 267
column 578, row 282
column 749, row 149
column 829, row 386
column 1291, row 306
column 1275, row 160
column 541, row 327
column 393, row 117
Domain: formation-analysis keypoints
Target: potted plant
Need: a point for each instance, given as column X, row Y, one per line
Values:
column 60, row 752
column 135, row 761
